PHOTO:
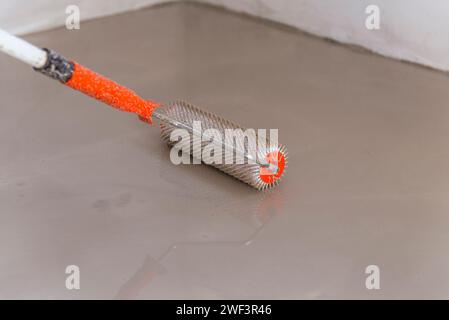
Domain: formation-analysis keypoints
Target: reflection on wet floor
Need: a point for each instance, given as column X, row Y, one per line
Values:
column 264, row 209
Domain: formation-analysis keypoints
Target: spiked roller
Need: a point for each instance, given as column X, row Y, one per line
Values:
column 235, row 154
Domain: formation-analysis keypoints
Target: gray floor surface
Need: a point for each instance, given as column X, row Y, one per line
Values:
column 81, row 183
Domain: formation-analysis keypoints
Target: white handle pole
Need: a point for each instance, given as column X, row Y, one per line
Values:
column 22, row 50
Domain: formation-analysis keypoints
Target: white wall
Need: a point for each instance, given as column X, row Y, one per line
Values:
column 412, row 30
column 24, row 16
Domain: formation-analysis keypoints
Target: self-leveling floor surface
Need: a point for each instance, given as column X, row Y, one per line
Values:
column 83, row 184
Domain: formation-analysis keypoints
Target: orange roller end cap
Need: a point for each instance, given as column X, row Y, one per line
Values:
column 276, row 158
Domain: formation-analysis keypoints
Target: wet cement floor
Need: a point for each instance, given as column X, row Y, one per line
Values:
column 83, row 184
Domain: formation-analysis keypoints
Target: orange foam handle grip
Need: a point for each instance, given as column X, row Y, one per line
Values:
column 110, row 92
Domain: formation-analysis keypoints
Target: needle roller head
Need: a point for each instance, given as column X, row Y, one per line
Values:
column 260, row 167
